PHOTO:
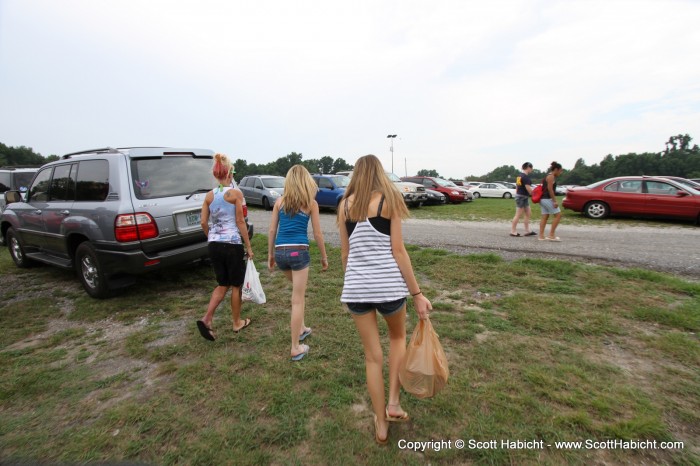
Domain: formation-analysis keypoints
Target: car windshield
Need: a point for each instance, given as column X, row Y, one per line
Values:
column 444, row 183
column 273, row 182
column 599, row 183
column 393, row 177
column 162, row 176
column 340, row 180
column 686, row 183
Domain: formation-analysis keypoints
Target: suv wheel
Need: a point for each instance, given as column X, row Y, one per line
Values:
column 266, row 204
column 90, row 271
column 16, row 249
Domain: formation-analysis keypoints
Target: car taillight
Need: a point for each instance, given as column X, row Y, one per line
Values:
column 134, row 227
column 245, row 210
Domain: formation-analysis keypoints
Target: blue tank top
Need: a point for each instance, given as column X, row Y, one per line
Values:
column 222, row 215
column 292, row 230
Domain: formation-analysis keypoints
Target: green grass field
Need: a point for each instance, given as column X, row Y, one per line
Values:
column 538, row 350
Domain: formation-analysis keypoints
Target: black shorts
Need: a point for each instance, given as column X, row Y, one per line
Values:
column 228, row 261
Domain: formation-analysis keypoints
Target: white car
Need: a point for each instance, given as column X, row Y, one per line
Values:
column 492, row 190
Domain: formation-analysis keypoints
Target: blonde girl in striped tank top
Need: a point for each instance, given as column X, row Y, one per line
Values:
column 378, row 278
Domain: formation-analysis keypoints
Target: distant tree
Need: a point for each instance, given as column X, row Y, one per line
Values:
column 21, row 155
column 502, row 173
column 340, row 164
column 432, row 173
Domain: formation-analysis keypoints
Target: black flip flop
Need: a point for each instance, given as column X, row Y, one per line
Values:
column 205, row 331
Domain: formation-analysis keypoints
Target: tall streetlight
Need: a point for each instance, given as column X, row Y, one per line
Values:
column 392, row 137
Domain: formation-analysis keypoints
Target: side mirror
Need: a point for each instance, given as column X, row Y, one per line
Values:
column 12, row 196
column 681, row 194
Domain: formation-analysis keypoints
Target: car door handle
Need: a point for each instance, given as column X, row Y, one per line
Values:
column 64, row 212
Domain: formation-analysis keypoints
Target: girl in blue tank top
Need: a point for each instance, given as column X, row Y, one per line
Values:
column 288, row 246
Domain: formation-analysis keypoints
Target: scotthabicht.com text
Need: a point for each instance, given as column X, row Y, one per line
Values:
column 588, row 444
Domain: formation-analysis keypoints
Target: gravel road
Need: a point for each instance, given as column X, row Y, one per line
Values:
column 673, row 249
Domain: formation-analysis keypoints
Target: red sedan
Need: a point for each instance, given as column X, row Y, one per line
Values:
column 635, row 195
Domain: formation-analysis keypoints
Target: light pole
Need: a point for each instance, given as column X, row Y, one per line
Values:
column 392, row 137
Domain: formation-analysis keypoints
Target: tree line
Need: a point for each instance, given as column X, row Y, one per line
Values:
column 22, row 156
column 678, row 159
column 25, row 156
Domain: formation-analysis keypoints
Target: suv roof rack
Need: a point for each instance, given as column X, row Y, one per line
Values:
column 107, row 150
column 14, row 167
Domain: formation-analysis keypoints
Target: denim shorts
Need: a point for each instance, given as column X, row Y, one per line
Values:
column 522, row 202
column 385, row 309
column 548, row 208
column 291, row 258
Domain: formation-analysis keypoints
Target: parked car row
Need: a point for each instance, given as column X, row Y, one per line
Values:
column 453, row 193
column 112, row 213
column 652, row 196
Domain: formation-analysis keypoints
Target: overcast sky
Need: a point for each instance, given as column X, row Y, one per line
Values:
column 467, row 86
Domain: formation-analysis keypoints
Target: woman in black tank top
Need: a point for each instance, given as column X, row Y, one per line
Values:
column 378, row 277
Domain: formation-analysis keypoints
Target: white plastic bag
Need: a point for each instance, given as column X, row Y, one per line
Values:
column 252, row 288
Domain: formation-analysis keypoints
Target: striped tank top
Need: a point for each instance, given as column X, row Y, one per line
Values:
column 372, row 274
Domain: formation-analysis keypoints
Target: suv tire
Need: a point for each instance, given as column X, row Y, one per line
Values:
column 14, row 245
column 266, row 204
column 90, row 271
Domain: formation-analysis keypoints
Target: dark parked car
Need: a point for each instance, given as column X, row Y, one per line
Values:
column 262, row 190
column 112, row 213
column 642, row 196
column 454, row 193
column 330, row 189
column 435, row 197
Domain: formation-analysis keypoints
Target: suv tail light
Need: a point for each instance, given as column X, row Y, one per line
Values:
column 245, row 210
column 134, row 227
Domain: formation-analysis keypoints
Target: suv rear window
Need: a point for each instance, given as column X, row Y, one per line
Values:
column 170, row 176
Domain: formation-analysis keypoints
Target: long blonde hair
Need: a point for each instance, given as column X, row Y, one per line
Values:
column 367, row 177
column 299, row 190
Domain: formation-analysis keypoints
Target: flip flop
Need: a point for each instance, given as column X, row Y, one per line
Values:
column 542, row 239
column 403, row 418
column 553, row 239
column 301, row 355
column 532, row 233
column 376, row 433
column 515, row 234
column 205, row 331
column 246, row 323
column 305, row 334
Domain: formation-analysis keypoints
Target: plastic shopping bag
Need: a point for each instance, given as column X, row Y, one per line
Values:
column 424, row 370
column 252, row 288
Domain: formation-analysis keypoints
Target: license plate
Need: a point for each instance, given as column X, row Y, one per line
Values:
column 193, row 218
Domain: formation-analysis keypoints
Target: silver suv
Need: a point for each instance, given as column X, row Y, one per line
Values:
column 111, row 213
